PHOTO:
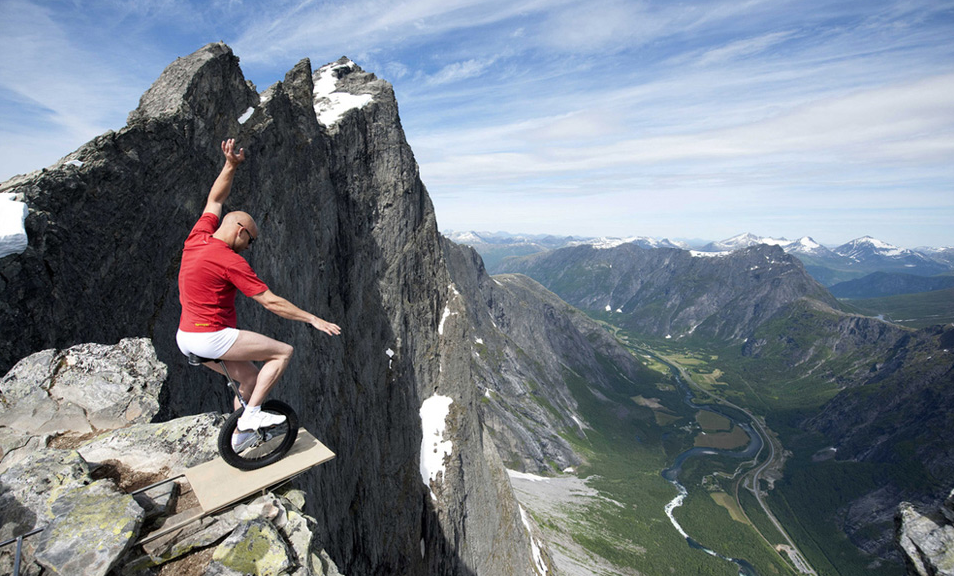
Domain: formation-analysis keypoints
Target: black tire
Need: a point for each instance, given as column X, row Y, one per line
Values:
column 272, row 445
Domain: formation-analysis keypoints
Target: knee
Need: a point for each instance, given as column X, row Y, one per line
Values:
column 286, row 352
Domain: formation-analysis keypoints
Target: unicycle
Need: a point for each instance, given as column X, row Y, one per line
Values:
column 269, row 444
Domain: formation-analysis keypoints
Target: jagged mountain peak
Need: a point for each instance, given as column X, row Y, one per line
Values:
column 348, row 231
column 207, row 84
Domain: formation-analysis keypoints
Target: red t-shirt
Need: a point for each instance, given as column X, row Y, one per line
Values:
column 209, row 275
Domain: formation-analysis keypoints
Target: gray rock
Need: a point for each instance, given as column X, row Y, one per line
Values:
column 115, row 385
column 254, row 547
column 16, row 445
column 165, row 448
column 92, row 528
column 927, row 541
column 191, row 537
column 29, row 488
column 84, row 388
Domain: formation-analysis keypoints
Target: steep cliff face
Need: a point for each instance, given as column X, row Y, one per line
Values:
column 347, row 231
column 526, row 345
column 669, row 292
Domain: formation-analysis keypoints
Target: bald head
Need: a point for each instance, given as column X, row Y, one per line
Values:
column 238, row 230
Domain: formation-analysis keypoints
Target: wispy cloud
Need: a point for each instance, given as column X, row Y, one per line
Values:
column 904, row 125
column 458, row 71
column 317, row 28
column 67, row 92
column 581, row 117
column 742, row 48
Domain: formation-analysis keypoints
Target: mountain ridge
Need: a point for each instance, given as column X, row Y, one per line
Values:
column 828, row 265
column 644, row 286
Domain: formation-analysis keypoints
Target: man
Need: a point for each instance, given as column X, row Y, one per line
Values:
column 209, row 276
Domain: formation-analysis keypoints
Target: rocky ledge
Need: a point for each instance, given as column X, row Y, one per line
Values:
column 927, row 539
column 80, row 462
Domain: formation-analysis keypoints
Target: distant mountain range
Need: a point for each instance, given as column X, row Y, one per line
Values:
column 829, row 266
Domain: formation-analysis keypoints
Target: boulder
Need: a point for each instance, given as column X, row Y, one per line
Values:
column 927, row 541
column 80, row 390
column 191, row 537
column 165, row 448
column 254, row 547
column 92, row 528
column 29, row 488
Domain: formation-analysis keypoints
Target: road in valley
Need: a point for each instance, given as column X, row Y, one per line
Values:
column 751, row 479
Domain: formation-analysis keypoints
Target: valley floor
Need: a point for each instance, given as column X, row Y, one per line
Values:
column 608, row 518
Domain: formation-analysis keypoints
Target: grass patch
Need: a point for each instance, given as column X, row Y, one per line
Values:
column 713, row 422
column 733, row 508
column 712, row 526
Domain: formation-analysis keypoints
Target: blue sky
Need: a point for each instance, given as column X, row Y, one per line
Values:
column 699, row 119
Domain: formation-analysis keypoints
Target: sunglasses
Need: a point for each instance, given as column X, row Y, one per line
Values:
column 251, row 239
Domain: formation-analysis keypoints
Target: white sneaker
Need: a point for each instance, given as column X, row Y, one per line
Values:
column 259, row 419
column 242, row 440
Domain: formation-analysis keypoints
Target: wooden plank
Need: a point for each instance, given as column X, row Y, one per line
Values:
column 216, row 484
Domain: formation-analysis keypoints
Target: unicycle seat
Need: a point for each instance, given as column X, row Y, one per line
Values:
column 196, row 360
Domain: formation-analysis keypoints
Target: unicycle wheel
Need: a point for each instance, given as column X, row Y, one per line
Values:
column 271, row 444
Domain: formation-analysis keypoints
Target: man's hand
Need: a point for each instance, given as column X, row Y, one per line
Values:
column 222, row 186
column 231, row 158
column 326, row 327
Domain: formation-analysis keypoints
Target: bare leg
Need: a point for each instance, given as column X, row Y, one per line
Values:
column 243, row 372
column 275, row 355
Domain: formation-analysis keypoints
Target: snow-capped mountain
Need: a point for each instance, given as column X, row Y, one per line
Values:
column 851, row 260
column 943, row 255
column 871, row 254
column 803, row 246
column 865, row 248
column 495, row 247
column 641, row 241
column 474, row 239
column 737, row 243
column 806, row 246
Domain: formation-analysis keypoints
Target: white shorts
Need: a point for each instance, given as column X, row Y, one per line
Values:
column 210, row 345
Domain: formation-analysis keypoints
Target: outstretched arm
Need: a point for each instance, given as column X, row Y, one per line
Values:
column 223, row 184
column 278, row 305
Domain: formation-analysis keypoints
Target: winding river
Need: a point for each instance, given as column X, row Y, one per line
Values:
column 672, row 473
